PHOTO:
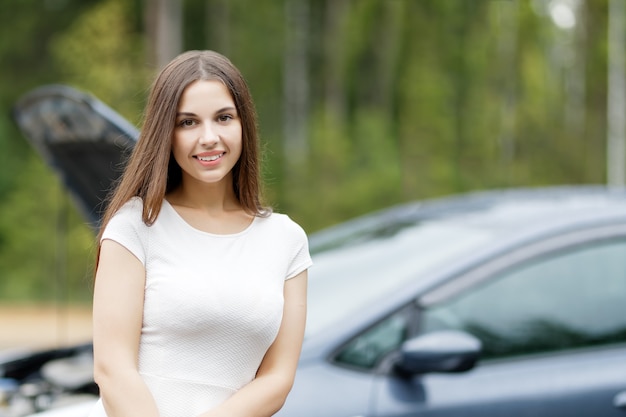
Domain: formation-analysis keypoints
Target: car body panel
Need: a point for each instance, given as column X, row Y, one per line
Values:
column 319, row 384
column 541, row 386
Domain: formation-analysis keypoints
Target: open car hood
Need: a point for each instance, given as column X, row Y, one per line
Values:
column 81, row 138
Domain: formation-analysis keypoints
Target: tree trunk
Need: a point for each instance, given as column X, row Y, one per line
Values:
column 164, row 22
column 335, row 100
column 295, row 81
column 218, row 18
column 616, row 96
column 507, row 54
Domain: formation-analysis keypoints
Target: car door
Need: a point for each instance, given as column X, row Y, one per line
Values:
column 552, row 320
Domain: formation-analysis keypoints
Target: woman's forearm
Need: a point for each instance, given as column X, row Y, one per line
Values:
column 125, row 394
column 262, row 397
column 117, row 322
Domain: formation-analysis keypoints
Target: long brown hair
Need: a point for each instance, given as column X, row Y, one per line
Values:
column 151, row 171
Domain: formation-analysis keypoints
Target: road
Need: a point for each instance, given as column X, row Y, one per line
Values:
column 43, row 326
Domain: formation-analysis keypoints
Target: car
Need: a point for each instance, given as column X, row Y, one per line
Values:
column 530, row 284
column 492, row 303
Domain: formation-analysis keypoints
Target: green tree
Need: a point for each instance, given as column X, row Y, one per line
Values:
column 47, row 247
column 44, row 243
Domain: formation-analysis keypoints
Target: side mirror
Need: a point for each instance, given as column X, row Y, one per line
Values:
column 440, row 351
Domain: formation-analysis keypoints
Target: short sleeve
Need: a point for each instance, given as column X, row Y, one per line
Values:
column 300, row 256
column 126, row 227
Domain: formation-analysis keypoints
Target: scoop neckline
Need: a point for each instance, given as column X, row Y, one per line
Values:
column 180, row 219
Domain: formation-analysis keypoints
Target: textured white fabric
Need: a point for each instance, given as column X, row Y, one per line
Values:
column 213, row 303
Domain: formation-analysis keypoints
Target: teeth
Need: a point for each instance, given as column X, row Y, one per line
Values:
column 209, row 158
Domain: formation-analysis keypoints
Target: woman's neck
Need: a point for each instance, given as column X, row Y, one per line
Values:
column 212, row 198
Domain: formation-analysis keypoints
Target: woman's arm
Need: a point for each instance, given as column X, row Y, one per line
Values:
column 117, row 320
column 266, row 394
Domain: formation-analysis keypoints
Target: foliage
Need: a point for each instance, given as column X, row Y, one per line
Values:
column 44, row 242
column 26, row 63
column 47, row 249
column 405, row 100
column 101, row 53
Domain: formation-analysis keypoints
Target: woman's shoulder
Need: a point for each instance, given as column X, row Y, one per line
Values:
column 282, row 222
column 128, row 229
column 134, row 204
column 129, row 215
column 131, row 209
column 291, row 240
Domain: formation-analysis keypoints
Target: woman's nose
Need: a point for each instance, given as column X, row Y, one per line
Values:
column 208, row 136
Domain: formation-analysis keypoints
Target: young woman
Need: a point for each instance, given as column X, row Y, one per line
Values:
column 200, row 291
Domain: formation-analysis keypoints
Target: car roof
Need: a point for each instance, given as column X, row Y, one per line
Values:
column 513, row 212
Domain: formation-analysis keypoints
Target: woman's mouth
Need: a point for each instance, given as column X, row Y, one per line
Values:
column 209, row 158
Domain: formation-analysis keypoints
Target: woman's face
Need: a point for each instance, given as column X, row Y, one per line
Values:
column 207, row 138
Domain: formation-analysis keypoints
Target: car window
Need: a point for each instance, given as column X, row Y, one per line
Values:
column 573, row 299
column 366, row 350
column 348, row 279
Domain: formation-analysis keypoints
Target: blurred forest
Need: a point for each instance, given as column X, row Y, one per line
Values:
column 362, row 103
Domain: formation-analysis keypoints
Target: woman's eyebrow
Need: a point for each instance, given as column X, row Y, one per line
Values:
column 222, row 110
column 229, row 108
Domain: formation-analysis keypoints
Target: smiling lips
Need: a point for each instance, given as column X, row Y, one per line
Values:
column 209, row 157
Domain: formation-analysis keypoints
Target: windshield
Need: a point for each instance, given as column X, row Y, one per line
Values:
column 349, row 277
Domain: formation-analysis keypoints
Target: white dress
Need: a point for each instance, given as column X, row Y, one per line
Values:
column 213, row 303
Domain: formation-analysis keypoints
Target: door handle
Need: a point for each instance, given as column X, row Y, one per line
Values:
column 619, row 401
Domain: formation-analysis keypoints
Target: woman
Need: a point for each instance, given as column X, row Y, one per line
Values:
column 200, row 291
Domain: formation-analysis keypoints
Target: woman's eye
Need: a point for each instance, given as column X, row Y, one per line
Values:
column 224, row 117
column 186, row 123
